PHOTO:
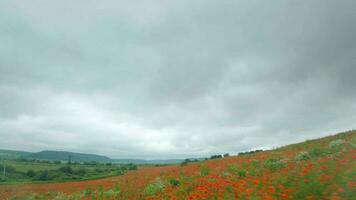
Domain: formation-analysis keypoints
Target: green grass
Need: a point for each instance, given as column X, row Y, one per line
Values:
column 17, row 172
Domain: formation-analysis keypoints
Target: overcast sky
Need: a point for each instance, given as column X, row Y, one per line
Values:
column 174, row 79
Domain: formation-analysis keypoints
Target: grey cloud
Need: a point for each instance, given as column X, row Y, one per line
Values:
column 174, row 79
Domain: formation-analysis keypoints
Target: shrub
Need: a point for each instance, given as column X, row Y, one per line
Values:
column 274, row 164
column 2, row 179
column 155, row 187
column 232, row 169
column 132, row 167
column 100, row 192
column 353, row 142
column 316, row 152
column 184, row 163
column 30, row 173
column 81, row 171
column 241, row 173
column 174, row 182
column 43, row 176
column 215, row 156
column 66, row 169
column 112, row 193
column 204, row 171
column 336, row 143
column 98, row 170
column 88, row 192
column 249, row 152
column 302, row 156
column 119, row 172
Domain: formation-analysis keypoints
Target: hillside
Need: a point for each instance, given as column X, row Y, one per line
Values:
column 77, row 157
column 324, row 168
column 64, row 155
column 11, row 154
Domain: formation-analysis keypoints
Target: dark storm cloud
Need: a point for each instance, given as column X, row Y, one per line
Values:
column 159, row 79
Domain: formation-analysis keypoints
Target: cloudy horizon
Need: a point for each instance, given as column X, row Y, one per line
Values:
column 174, row 79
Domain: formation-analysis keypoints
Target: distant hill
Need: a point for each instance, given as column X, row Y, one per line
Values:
column 64, row 155
column 77, row 157
column 11, row 154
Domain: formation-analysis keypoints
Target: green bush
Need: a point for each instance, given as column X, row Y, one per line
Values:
column 132, row 167
column 274, row 164
column 174, row 182
column 88, row 192
column 317, row 152
column 112, row 193
column 30, row 173
column 155, row 187
column 234, row 170
column 336, row 145
column 66, row 169
column 204, row 171
column 43, row 176
column 301, row 156
column 81, row 171
column 241, row 173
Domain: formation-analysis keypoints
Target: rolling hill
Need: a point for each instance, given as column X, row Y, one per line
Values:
column 322, row 168
column 76, row 157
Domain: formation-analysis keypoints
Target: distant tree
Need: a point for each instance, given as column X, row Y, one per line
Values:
column 226, row 155
column 66, row 169
column 43, row 176
column 69, row 159
column 81, row 171
column 215, row 156
column 132, row 166
column 249, row 152
column 30, row 173
column 57, row 162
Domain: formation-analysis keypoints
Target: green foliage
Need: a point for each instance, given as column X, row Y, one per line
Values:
column 215, row 157
column 66, row 169
column 112, row 193
column 100, row 192
column 174, row 182
column 204, row 171
column 274, row 164
column 336, row 145
column 249, row 152
column 233, row 169
column 241, row 173
column 33, row 170
column 311, row 188
column 302, row 156
column 132, row 166
column 317, row 152
column 81, row 171
column 30, row 173
column 155, row 187
column 185, row 162
column 43, row 176
column 88, row 192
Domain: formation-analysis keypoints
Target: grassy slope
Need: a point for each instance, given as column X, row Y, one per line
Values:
column 316, row 169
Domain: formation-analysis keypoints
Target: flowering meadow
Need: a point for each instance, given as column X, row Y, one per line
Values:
column 315, row 169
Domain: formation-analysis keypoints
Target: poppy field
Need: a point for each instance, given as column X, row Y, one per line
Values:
column 315, row 169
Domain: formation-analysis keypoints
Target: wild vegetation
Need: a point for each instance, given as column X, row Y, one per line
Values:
column 315, row 169
column 22, row 170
